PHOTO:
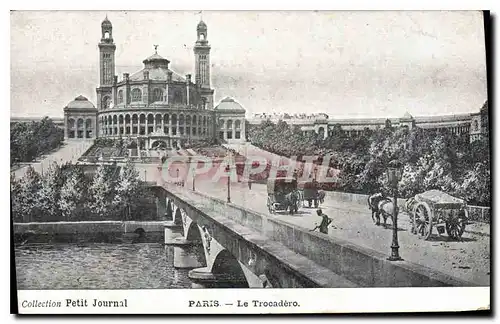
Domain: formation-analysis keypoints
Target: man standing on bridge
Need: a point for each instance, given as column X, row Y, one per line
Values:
column 323, row 227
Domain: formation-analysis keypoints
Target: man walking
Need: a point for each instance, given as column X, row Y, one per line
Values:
column 325, row 221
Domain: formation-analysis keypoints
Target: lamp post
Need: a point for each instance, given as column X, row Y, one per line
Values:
column 394, row 175
column 193, row 171
column 228, row 168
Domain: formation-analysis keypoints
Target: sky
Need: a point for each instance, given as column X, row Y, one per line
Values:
column 345, row 64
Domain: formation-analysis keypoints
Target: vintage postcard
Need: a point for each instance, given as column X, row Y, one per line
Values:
column 250, row 162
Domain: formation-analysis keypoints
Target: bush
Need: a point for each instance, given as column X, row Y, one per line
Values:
column 431, row 159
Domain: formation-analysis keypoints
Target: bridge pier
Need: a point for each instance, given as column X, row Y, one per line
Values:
column 188, row 254
column 169, row 212
column 171, row 231
column 204, row 278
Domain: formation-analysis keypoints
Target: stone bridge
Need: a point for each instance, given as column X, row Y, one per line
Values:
column 226, row 245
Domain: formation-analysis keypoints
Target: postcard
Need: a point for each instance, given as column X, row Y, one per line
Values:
column 250, row 162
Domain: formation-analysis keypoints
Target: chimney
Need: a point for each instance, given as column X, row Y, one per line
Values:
column 146, row 75
column 126, row 77
column 169, row 76
column 115, row 79
column 188, row 78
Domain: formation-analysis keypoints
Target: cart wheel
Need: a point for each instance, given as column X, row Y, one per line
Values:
column 455, row 227
column 423, row 220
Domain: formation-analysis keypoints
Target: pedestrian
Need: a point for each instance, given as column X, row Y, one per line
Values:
column 325, row 221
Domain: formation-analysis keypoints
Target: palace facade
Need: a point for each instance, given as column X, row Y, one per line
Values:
column 155, row 105
column 476, row 125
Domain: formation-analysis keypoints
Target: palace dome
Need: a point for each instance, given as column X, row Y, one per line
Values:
column 229, row 104
column 80, row 102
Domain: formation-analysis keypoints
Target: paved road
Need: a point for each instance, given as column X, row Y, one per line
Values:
column 70, row 151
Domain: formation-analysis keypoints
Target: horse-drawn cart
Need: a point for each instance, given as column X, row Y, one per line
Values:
column 435, row 208
column 282, row 194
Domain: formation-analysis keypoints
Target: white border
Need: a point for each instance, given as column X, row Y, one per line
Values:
column 257, row 301
column 406, row 294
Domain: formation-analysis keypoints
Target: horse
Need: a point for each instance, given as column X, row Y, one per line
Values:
column 292, row 201
column 321, row 196
column 374, row 206
column 386, row 208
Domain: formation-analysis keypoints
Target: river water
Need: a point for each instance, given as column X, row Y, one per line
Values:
column 98, row 266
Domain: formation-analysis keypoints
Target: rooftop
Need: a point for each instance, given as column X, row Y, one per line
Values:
column 80, row 102
column 229, row 104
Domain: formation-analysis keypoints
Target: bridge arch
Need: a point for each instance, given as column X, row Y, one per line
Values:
column 227, row 266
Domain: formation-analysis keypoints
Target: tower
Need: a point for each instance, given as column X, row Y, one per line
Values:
column 202, row 56
column 202, row 66
column 106, row 66
column 106, row 54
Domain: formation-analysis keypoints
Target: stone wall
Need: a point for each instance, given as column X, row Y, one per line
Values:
column 87, row 227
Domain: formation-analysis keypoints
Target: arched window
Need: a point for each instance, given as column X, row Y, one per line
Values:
column 229, row 124
column 157, row 94
column 476, row 125
column 136, row 95
column 120, row 96
column 204, row 103
column 106, row 35
column 237, row 124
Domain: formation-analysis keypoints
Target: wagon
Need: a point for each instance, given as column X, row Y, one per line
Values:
column 277, row 190
column 435, row 208
column 309, row 192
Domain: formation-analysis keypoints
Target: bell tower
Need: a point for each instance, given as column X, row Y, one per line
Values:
column 202, row 66
column 202, row 56
column 106, row 54
column 106, row 66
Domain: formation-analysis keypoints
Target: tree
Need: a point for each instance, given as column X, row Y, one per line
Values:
column 15, row 199
column 49, row 193
column 101, row 194
column 28, row 195
column 127, row 190
column 476, row 186
column 72, row 196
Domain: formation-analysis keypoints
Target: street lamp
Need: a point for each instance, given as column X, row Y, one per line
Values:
column 394, row 175
column 190, row 161
column 228, row 168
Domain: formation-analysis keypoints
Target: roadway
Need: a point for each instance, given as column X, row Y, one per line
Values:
column 69, row 152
